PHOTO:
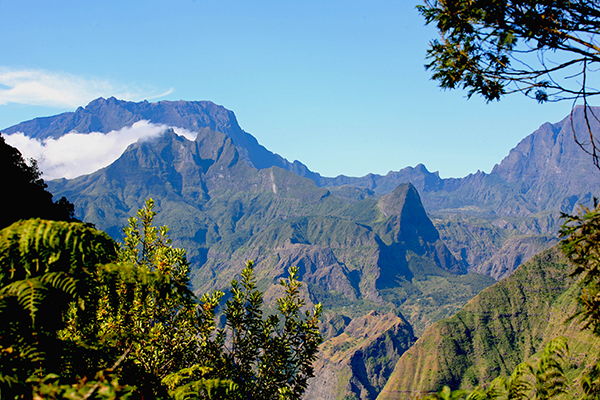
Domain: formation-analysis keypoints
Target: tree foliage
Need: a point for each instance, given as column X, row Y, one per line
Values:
column 256, row 357
column 581, row 245
column 547, row 50
column 485, row 46
column 82, row 318
column 24, row 191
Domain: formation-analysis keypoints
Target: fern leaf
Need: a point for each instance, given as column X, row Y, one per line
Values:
column 29, row 294
column 61, row 281
column 36, row 247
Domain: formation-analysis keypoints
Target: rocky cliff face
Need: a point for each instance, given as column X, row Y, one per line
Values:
column 358, row 356
column 546, row 171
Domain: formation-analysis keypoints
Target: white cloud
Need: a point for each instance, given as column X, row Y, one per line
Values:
column 189, row 135
column 44, row 88
column 76, row 154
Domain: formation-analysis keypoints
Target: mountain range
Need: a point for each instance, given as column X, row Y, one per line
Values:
column 105, row 115
column 387, row 256
column 490, row 222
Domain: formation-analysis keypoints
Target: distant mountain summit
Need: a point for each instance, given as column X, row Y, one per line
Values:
column 105, row 115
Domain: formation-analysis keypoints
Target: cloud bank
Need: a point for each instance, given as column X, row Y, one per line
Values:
column 44, row 88
column 76, row 154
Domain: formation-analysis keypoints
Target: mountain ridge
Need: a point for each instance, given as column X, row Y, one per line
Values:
column 512, row 207
column 521, row 198
column 105, row 115
column 501, row 192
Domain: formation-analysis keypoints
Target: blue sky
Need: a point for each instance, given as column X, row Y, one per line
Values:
column 338, row 85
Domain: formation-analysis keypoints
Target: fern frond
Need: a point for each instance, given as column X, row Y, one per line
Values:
column 60, row 281
column 29, row 294
column 34, row 247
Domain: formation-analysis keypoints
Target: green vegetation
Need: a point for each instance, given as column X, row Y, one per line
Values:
column 503, row 326
column 556, row 372
column 544, row 379
column 48, row 270
column 84, row 318
column 25, row 195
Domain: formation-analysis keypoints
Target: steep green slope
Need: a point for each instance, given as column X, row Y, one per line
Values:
column 504, row 325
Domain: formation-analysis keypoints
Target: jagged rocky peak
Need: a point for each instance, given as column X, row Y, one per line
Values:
column 551, row 151
column 395, row 202
column 404, row 205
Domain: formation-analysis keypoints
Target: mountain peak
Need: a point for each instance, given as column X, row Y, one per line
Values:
column 111, row 114
column 404, row 209
column 395, row 202
column 550, row 152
